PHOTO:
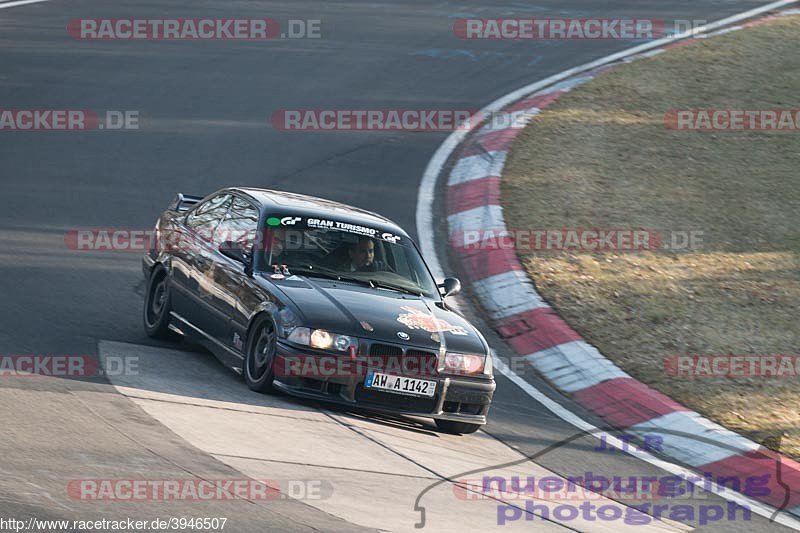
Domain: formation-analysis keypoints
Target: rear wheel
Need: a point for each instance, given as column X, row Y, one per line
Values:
column 259, row 364
column 456, row 428
column 157, row 306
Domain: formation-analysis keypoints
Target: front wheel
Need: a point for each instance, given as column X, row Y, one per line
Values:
column 456, row 428
column 262, row 345
column 157, row 306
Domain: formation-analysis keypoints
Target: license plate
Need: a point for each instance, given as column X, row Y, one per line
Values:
column 400, row 385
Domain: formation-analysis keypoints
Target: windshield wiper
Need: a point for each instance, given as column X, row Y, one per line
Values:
column 322, row 272
column 330, row 274
column 392, row 286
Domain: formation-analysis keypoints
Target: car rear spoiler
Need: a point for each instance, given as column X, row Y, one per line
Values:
column 184, row 202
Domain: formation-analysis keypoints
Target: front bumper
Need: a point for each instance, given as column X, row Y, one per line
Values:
column 457, row 398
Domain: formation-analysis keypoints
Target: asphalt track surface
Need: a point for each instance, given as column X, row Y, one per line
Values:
column 205, row 109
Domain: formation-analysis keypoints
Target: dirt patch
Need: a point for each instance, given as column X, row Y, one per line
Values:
column 602, row 157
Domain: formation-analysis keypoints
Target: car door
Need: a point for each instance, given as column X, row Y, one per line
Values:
column 193, row 261
column 238, row 295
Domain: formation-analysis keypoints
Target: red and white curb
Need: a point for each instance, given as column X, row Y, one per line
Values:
column 535, row 332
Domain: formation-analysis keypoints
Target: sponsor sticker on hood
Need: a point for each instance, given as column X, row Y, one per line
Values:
column 416, row 319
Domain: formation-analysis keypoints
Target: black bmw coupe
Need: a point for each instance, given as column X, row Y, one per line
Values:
column 316, row 299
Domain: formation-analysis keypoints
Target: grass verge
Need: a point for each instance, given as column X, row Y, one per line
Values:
column 602, row 157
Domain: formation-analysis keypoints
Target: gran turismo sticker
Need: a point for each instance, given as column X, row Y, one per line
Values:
column 342, row 226
column 351, row 228
column 389, row 237
column 290, row 221
column 416, row 319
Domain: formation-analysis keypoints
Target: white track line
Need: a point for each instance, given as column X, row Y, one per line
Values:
column 20, row 3
column 426, row 234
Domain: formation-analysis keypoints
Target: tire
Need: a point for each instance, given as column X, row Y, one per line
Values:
column 259, row 363
column 157, row 306
column 456, row 428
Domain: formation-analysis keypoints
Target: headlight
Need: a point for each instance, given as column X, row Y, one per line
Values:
column 461, row 363
column 321, row 339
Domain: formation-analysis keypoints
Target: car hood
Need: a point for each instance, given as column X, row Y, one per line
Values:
column 379, row 314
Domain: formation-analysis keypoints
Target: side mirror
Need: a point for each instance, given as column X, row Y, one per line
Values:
column 233, row 250
column 450, row 287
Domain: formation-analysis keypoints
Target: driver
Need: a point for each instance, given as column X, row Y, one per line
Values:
column 362, row 257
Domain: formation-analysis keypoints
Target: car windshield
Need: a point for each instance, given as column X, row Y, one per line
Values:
column 337, row 250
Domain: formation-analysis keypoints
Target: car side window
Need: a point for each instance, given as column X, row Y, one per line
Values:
column 205, row 218
column 240, row 224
